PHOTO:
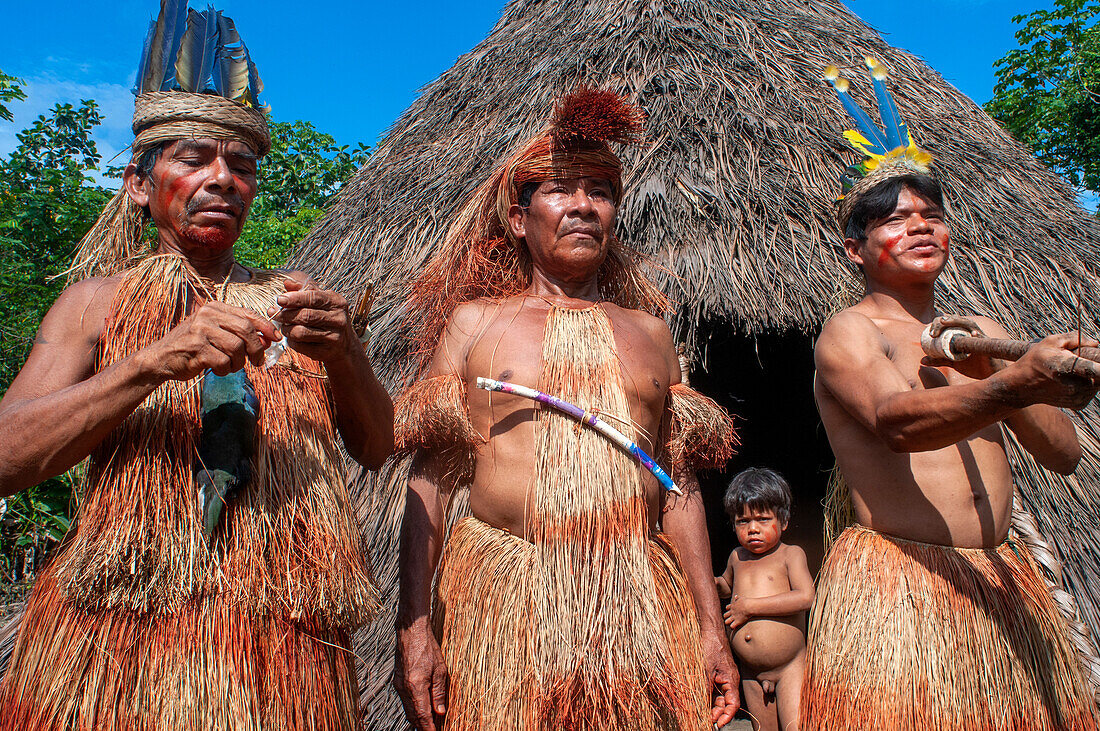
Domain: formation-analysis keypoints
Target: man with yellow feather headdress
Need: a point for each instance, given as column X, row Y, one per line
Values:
column 579, row 593
column 215, row 571
column 930, row 613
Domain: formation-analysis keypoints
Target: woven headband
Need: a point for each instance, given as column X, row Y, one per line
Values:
column 165, row 116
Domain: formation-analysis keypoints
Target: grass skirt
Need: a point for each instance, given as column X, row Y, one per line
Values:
column 906, row 635
column 492, row 643
column 206, row 667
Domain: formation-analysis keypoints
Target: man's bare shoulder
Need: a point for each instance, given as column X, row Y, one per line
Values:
column 650, row 323
column 990, row 327
column 846, row 322
column 64, row 349
column 848, row 330
column 467, row 318
column 658, row 332
column 82, row 307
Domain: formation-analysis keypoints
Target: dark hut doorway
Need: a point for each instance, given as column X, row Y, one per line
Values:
column 767, row 381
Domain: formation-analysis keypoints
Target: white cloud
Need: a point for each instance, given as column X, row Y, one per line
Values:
column 116, row 107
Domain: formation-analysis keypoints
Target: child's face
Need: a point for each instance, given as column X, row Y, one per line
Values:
column 758, row 530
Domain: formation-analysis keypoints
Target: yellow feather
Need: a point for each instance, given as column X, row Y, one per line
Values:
column 876, row 68
column 831, row 73
column 859, row 142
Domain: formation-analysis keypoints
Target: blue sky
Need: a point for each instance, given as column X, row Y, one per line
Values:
column 352, row 67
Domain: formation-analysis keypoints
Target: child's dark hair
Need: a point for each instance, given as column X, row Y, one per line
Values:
column 758, row 488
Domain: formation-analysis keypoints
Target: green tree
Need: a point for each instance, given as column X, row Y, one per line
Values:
column 298, row 178
column 10, row 91
column 47, row 202
column 1048, row 90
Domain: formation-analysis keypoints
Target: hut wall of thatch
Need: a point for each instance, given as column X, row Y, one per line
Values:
column 732, row 200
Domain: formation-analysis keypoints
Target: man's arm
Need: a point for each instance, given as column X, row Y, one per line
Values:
column 1044, row 431
column 685, row 525
column 420, row 673
column 317, row 324
column 797, row 599
column 684, row 522
column 57, row 411
column 852, row 364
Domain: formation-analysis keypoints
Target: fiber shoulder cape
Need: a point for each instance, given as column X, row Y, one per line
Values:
column 138, row 622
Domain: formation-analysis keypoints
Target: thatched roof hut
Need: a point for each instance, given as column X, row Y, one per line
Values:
column 733, row 201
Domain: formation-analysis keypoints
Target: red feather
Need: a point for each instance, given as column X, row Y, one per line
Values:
column 598, row 115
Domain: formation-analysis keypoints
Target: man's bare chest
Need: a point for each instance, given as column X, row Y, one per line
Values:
column 514, row 350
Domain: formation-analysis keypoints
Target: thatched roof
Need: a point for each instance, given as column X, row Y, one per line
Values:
column 733, row 197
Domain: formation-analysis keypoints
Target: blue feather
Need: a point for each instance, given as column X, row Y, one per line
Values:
column 231, row 63
column 195, row 62
column 906, row 140
column 156, row 71
column 143, row 64
column 886, row 108
column 869, row 129
column 255, row 85
column 889, row 114
column 172, row 43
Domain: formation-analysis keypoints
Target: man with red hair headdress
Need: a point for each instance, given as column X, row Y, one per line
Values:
column 578, row 594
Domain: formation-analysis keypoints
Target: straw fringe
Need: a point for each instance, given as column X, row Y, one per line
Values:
column 590, row 501
column 489, row 635
column 433, row 415
column 703, row 435
column 209, row 667
column 840, row 515
column 907, row 635
column 139, row 623
column 289, row 542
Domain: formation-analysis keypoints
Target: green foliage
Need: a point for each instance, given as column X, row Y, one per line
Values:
column 47, row 203
column 1048, row 89
column 297, row 179
column 10, row 91
column 32, row 523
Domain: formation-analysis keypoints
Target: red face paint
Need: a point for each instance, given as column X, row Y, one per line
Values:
column 887, row 248
column 947, row 242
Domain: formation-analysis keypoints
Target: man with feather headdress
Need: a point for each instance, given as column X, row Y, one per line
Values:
column 578, row 594
column 931, row 612
column 215, row 571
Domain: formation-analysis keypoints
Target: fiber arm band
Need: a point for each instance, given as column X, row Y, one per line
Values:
column 702, row 434
column 433, row 415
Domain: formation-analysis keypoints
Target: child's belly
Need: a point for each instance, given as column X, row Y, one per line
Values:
column 766, row 644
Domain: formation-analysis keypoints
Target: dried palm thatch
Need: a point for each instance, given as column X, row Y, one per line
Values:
column 732, row 200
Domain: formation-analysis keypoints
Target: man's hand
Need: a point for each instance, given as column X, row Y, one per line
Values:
column 420, row 676
column 216, row 336
column 1045, row 374
column 975, row 366
column 736, row 615
column 315, row 321
column 724, row 679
